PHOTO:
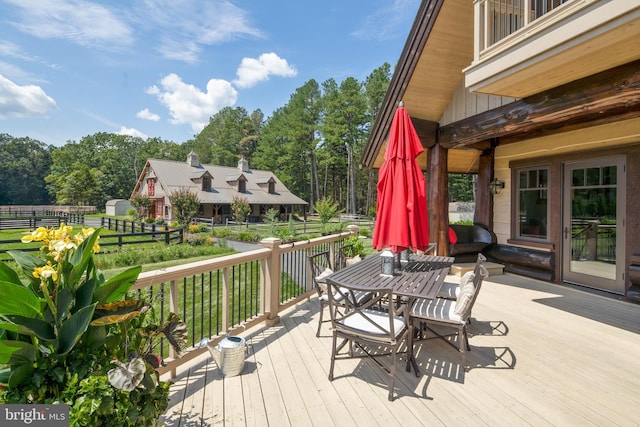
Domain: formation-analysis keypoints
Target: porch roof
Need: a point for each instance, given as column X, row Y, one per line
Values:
column 541, row 354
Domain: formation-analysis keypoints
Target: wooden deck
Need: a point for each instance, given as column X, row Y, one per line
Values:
column 541, row 354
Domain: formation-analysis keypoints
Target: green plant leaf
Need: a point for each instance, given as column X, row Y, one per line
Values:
column 95, row 336
column 22, row 302
column 117, row 286
column 5, row 373
column 30, row 326
column 12, row 351
column 82, row 255
column 63, row 304
column 28, row 263
column 7, row 274
column 71, row 330
column 21, row 374
column 84, row 294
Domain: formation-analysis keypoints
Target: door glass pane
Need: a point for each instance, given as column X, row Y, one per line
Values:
column 593, row 230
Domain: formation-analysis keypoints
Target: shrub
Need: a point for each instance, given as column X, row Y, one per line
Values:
column 356, row 246
column 196, row 240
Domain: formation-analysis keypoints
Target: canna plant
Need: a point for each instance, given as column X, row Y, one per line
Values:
column 64, row 334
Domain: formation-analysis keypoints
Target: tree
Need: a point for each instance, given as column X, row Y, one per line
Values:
column 184, row 206
column 24, row 163
column 240, row 208
column 375, row 89
column 327, row 208
column 289, row 138
column 345, row 125
column 230, row 133
column 142, row 204
column 461, row 187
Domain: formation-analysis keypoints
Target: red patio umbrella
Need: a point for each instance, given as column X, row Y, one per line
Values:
column 401, row 214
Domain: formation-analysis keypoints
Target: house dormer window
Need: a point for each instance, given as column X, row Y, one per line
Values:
column 206, row 183
column 272, row 187
column 242, row 186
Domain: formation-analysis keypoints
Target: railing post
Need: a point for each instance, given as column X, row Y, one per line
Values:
column 226, row 284
column 173, row 308
column 353, row 229
column 270, row 277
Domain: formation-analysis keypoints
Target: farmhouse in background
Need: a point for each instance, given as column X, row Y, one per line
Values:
column 215, row 186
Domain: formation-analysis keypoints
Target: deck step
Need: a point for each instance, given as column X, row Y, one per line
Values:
column 461, row 268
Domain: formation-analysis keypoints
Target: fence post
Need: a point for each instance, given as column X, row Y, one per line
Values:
column 270, row 286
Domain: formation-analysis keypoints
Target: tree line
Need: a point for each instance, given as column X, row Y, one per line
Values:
column 313, row 144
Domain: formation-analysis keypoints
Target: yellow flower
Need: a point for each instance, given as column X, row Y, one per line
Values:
column 37, row 235
column 45, row 272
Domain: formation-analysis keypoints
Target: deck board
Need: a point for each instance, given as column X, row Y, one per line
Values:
column 541, row 354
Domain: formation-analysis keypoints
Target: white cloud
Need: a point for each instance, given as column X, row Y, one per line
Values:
column 132, row 132
column 183, row 27
column 147, row 115
column 23, row 101
column 81, row 22
column 187, row 104
column 252, row 71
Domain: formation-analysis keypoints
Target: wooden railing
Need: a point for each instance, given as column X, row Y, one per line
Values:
column 232, row 293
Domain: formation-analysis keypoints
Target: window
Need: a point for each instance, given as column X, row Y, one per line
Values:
column 272, row 187
column 533, row 209
column 151, row 183
column 206, row 183
column 242, row 186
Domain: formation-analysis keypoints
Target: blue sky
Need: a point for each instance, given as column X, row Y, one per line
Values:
column 161, row 68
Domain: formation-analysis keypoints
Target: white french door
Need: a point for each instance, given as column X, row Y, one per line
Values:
column 593, row 225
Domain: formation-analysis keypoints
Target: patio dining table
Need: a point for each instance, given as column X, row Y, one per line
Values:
column 421, row 276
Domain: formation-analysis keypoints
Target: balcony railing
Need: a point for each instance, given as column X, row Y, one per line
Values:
column 234, row 292
column 498, row 19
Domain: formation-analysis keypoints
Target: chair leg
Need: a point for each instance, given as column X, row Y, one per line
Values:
column 320, row 321
column 463, row 345
column 392, row 374
column 333, row 355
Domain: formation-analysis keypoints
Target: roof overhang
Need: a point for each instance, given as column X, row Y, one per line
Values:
column 428, row 73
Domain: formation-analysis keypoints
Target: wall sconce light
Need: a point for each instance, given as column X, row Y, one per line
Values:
column 496, row 186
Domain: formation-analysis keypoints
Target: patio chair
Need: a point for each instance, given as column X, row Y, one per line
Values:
column 451, row 290
column 454, row 313
column 373, row 333
column 321, row 267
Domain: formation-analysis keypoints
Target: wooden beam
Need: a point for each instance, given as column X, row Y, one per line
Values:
column 606, row 97
column 483, row 213
column 438, row 197
column 427, row 131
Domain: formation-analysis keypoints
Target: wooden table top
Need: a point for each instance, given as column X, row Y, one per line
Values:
column 420, row 277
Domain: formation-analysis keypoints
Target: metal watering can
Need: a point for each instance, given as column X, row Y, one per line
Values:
column 229, row 354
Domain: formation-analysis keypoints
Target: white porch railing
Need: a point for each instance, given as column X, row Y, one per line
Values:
column 232, row 293
column 497, row 19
